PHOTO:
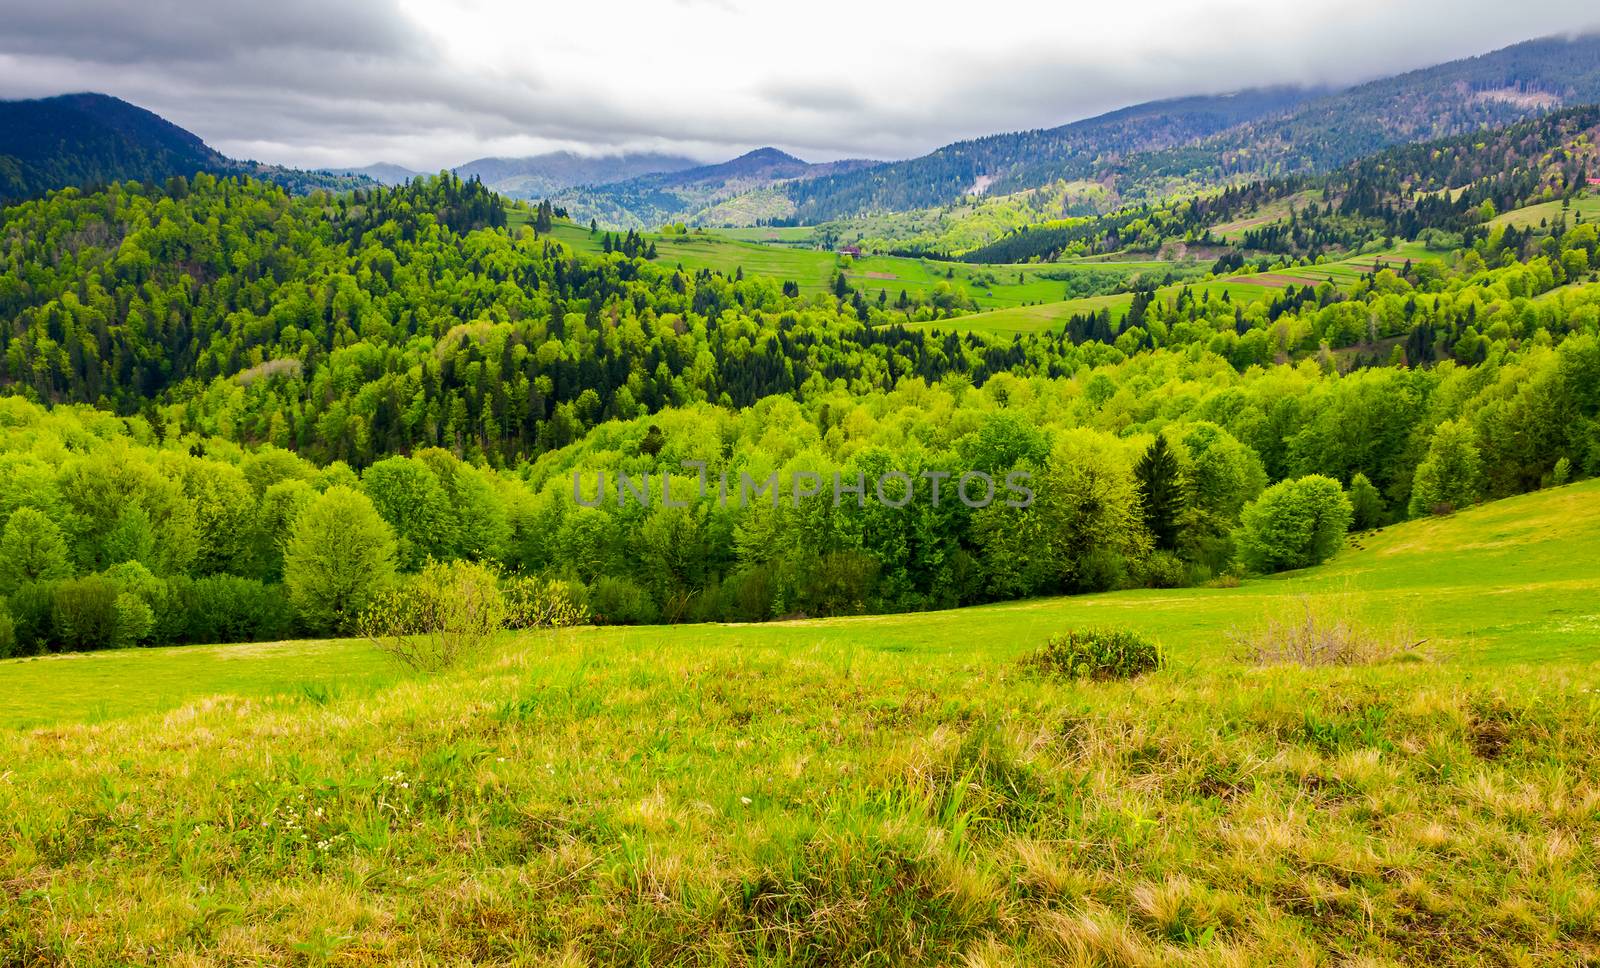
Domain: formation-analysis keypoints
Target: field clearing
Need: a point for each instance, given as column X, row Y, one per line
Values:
column 1052, row 317
column 798, row 235
column 989, row 286
column 1275, row 211
column 1546, row 214
column 1449, row 575
column 858, row 791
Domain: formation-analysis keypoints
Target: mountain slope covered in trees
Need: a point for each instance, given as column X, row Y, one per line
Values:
column 1148, row 148
column 78, row 139
column 653, row 200
column 541, row 176
column 92, row 139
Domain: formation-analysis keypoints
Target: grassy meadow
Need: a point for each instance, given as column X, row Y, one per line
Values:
column 1585, row 206
column 877, row 790
column 1243, row 288
column 991, row 287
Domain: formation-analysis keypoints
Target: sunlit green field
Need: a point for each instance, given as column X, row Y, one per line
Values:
column 1275, row 211
column 1550, row 213
column 888, row 789
column 1052, row 316
column 1510, row 582
column 813, row 270
column 884, row 790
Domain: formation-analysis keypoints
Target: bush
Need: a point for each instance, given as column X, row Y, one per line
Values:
column 226, row 608
column 618, row 601
column 1323, row 631
column 1097, row 654
column 84, row 613
column 8, row 634
column 534, row 603
column 31, row 550
column 338, row 559
column 31, row 608
column 1164, row 569
column 135, row 621
column 133, row 578
column 1294, row 524
column 442, row 615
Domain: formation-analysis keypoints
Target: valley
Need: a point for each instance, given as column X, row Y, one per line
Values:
column 1148, row 518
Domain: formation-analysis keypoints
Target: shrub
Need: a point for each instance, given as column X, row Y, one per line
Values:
column 134, row 621
column 338, row 558
column 534, row 603
column 84, row 613
column 31, row 608
column 227, row 608
column 133, row 578
column 618, row 601
column 1097, row 654
column 1294, row 524
column 1323, row 631
column 1451, row 476
column 1366, row 503
column 8, row 634
column 31, row 550
column 1164, row 569
column 437, row 618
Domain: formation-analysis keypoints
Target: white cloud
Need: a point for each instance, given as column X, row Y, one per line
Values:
column 428, row 83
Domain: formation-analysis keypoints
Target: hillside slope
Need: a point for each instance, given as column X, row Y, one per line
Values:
column 77, row 139
column 873, row 791
column 89, row 139
column 1205, row 139
column 1504, row 583
column 652, row 200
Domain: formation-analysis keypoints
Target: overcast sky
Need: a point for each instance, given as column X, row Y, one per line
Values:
column 432, row 84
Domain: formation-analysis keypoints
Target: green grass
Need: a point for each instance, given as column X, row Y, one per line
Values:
column 897, row 789
column 726, row 251
column 802, row 235
column 1274, row 211
column 1546, row 214
column 1452, row 576
column 1051, row 317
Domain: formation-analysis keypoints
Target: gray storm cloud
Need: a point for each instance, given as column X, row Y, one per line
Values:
column 309, row 82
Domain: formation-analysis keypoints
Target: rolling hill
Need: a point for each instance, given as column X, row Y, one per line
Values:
column 78, row 139
column 88, row 139
column 1150, row 147
column 540, row 176
column 902, row 789
column 692, row 194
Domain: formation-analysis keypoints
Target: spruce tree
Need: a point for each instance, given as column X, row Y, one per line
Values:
column 1161, row 492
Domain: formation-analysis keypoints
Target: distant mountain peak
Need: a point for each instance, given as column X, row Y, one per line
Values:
column 769, row 155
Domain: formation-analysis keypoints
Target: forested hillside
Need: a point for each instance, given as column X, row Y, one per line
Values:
column 93, row 139
column 77, row 139
column 429, row 381
column 690, row 194
column 1147, row 150
column 1444, row 192
column 1011, row 162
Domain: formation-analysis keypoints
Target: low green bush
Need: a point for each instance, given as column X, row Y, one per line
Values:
column 30, row 607
column 618, row 601
column 537, row 603
column 8, row 634
column 84, row 613
column 226, row 608
column 1097, row 654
